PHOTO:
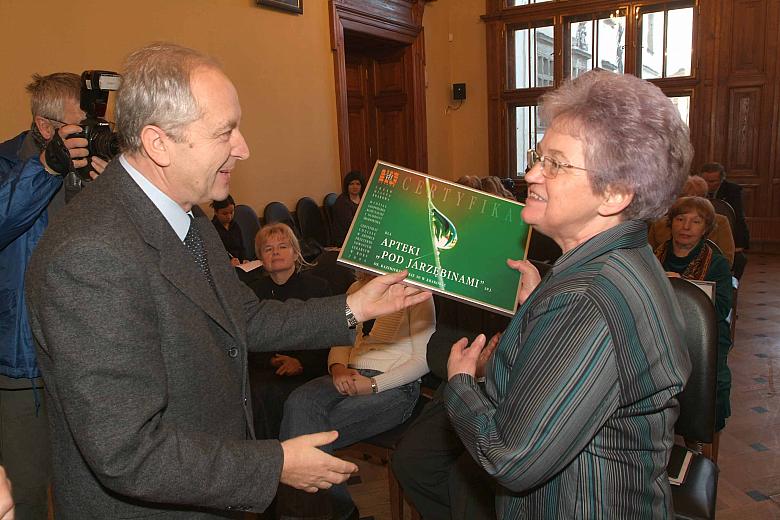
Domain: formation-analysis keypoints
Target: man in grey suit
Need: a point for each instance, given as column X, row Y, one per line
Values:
column 143, row 329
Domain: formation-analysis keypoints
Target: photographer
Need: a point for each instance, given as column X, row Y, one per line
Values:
column 30, row 193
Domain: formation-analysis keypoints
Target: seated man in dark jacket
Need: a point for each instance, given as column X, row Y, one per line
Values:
column 719, row 188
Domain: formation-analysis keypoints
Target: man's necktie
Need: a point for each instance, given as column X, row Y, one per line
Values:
column 194, row 244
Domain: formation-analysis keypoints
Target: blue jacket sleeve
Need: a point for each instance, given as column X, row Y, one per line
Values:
column 25, row 192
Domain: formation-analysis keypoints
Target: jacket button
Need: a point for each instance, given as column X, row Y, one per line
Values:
column 233, row 352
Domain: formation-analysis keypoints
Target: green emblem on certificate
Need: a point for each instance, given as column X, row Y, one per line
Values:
column 453, row 240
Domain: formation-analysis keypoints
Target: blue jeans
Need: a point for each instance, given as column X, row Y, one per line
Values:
column 317, row 406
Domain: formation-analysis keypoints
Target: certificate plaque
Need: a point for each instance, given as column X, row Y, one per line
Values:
column 454, row 240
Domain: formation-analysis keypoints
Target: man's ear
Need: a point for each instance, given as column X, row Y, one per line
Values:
column 44, row 127
column 156, row 145
column 615, row 200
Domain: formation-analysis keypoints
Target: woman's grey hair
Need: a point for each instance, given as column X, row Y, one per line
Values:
column 156, row 91
column 284, row 231
column 634, row 139
column 48, row 93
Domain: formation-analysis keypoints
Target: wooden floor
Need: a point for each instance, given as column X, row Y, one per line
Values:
column 749, row 460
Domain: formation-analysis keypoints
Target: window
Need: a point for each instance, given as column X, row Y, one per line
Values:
column 533, row 58
column 665, row 43
column 528, row 132
column 533, row 48
column 596, row 42
column 683, row 104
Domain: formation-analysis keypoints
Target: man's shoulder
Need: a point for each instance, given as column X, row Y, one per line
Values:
column 96, row 213
column 9, row 149
column 728, row 187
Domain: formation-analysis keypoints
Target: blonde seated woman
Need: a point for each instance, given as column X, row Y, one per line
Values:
column 274, row 375
column 373, row 386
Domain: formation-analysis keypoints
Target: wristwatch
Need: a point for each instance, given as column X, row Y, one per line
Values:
column 374, row 389
column 351, row 319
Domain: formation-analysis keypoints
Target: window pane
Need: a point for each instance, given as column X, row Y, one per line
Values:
column 534, row 58
column 528, row 132
column 581, row 51
column 597, row 44
column 652, row 45
column 683, row 104
column 679, row 39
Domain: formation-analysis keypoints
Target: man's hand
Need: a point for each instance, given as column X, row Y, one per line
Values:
column 530, row 279
column 76, row 147
column 286, row 365
column 98, row 165
column 6, row 501
column 384, row 295
column 343, row 379
column 463, row 360
column 308, row 468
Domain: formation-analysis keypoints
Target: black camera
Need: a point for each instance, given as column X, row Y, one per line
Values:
column 102, row 141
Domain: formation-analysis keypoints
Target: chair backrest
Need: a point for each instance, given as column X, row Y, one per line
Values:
column 247, row 221
column 697, row 400
column 311, row 221
column 715, row 247
column 278, row 212
column 327, row 205
column 724, row 208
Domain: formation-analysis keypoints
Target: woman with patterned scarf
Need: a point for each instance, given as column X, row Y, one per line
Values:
column 687, row 255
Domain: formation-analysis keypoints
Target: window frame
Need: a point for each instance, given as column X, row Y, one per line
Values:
column 503, row 99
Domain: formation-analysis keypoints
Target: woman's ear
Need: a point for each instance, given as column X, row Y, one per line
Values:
column 615, row 200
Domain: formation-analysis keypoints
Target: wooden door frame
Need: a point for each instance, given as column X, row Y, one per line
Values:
column 396, row 20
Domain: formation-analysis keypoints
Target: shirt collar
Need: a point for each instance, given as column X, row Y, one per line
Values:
column 626, row 235
column 173, row 213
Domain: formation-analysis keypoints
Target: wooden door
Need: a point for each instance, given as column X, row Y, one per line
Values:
column 378, row 103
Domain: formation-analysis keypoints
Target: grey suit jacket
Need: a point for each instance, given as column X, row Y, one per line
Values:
column 146, row 367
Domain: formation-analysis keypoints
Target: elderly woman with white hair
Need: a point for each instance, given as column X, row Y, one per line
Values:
column 575, row 418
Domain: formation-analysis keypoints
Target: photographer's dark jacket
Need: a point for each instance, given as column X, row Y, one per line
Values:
column 26, row 192
column 146, row 380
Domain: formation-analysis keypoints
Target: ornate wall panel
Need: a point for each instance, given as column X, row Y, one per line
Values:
column 743, row 130
column 748, row 36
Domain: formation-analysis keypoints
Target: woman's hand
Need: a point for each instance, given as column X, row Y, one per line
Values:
column 286, row 365
column 235, row 262
column 530, row 279
column 486, row 354
column 343, row 379
column 463, row 360
column 362, row 385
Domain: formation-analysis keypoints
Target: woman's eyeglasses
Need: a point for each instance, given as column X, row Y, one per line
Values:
column 550, row 167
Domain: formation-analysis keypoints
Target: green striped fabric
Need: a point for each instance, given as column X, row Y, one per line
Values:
column 576, row 418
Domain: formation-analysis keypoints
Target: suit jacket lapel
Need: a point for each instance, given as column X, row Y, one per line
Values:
column 176, row 263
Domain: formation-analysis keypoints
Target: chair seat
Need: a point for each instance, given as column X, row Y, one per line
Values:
column 695, row 498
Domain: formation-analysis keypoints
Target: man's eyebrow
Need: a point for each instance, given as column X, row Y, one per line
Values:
column 225, row 127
